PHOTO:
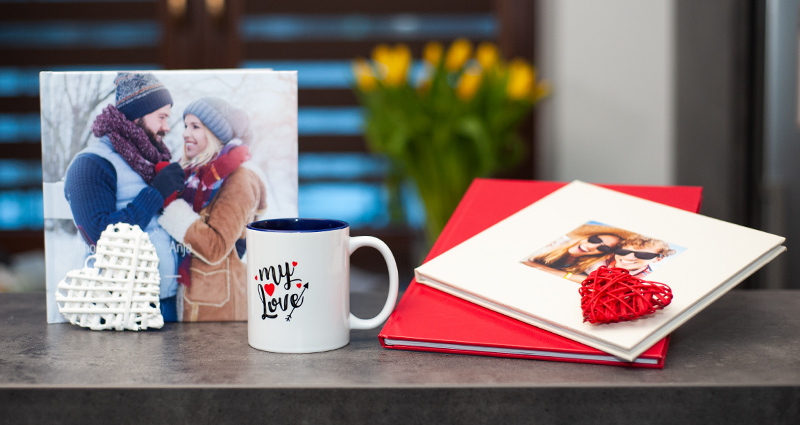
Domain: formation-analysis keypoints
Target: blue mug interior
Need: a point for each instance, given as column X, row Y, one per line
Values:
column 297, row 225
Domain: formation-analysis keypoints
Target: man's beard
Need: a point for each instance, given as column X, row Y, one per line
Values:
column 154, row 137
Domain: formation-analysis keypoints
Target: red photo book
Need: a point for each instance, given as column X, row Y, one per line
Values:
column 430, row 320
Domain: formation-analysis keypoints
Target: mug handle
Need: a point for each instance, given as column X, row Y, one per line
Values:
column 357, row 242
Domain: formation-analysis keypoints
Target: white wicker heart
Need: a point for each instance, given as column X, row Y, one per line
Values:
column 121, row 290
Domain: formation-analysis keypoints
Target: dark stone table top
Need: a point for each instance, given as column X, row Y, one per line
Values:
column 736, row 362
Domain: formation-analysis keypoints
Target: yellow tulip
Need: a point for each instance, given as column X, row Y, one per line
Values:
column 381, row 53
column 432, row 53
column 521, row 77
column 541, row 91
column 469, row 83
column 487, row 55
column 381, row 57
column 398, row 71
column 392, row 63
column 364, row 77
column 458, row 54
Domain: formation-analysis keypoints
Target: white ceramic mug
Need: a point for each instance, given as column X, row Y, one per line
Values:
column 298, row 290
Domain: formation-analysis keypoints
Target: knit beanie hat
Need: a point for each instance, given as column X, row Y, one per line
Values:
column 140, row 94
column 227, row 122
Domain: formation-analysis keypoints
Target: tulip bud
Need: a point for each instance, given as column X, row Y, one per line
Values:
column 362, row 71
column 432, row 53
column 399, row 62
column 520, row 79
column 458, row 54
column 469, row 83
column 487, row 55
column 541, row 91
column 381, row 55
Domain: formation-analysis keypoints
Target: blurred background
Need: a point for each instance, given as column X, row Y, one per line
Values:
column 660, row 92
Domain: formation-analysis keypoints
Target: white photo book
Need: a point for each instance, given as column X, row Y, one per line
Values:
column 530, row 265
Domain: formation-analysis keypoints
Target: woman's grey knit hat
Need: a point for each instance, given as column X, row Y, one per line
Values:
column 227, row 122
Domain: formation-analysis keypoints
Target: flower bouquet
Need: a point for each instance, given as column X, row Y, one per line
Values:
column 456, row 121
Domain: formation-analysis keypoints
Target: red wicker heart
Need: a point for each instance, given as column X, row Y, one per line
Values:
column 611, row 294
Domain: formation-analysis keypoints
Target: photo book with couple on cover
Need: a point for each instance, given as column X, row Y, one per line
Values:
column 487, row 252
column 190, row 157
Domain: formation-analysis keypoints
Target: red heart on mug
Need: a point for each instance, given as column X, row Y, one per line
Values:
column 299, row 285
column 611, row 294
column 270, row 288
column 294, row 263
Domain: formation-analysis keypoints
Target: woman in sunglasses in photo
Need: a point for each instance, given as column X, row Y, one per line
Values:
column 571, row 255
column 637, row 254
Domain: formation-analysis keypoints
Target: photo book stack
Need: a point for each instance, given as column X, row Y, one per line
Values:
column 504, row 277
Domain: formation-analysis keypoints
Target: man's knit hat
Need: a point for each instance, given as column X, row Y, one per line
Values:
column 140, row 94
column 227, row 122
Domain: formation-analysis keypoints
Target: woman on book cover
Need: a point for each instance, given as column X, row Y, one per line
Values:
column 222, row 194
column 573, row 254
column 637, row 255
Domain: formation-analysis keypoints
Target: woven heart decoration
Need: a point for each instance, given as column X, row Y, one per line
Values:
column 121, row 290
column 611, row 294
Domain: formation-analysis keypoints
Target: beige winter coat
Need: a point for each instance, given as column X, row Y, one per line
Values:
column 218, row 283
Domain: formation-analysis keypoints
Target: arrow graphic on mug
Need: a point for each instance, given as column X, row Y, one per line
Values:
column 289, row 317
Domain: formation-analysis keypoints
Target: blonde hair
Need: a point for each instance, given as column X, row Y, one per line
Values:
column 642, row 242
column 560, row 258
column 213, row 148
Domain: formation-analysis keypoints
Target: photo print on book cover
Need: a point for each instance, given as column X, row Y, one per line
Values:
column 190, row 156
column 584, row 249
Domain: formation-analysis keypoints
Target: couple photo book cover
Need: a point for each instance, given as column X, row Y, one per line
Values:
column 190, row 157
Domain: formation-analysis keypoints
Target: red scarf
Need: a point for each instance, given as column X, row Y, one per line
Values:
column 203, row 182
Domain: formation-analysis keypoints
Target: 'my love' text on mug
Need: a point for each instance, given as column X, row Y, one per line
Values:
column 277, row 277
